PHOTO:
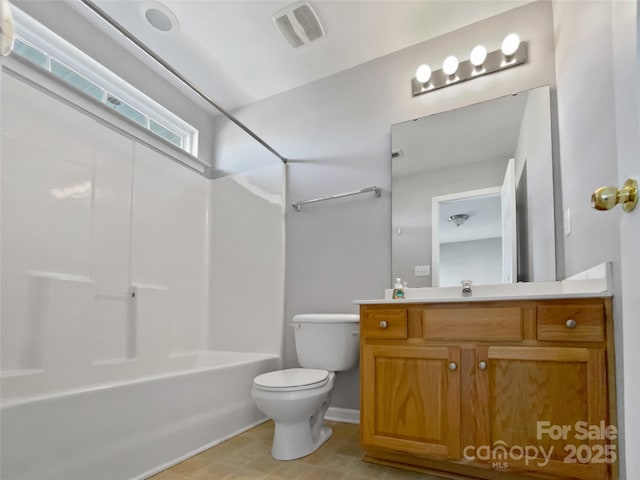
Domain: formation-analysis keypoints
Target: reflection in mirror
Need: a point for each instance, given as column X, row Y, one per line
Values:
column 442, row 158
column 468, row 250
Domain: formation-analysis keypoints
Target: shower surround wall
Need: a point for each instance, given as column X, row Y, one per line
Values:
column 247, row 260
column 104, row 248
column 105, row 316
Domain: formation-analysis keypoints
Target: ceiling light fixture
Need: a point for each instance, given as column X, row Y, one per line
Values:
column 478, row 56
column 510, row 44
column 159, row 16
column 459, row 218
column 450, row 66
column 513, row 52
column 423, row 73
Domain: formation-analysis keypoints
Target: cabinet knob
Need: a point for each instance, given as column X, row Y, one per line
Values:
column 453, row 366
column 482, row 365
column 383, row 324
column 571, row 323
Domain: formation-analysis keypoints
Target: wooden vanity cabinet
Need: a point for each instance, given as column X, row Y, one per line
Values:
column 441, row 381
column 414, row 399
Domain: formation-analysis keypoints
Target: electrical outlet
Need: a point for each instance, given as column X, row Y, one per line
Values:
column 567, row 222
column 422, row 270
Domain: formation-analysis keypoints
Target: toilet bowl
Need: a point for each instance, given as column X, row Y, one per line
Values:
column 298, row 398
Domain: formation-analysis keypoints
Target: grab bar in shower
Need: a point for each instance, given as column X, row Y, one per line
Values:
column 298, row 205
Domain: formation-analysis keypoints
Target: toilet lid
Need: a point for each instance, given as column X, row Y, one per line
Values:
column 292, row 379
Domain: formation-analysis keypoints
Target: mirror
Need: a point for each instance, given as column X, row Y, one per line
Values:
column 449, row 159
column 485, row 249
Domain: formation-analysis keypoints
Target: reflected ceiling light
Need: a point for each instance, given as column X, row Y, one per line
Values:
column 459, row 218
column 510, row 44
column 513, row 52
column 478, row 56
column 450, row 65
column 423, row 73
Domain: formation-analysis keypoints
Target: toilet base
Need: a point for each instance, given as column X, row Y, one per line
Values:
column 291, row 441
column 298, row 417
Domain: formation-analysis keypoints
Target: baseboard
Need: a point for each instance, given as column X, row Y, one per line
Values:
column 344, row 415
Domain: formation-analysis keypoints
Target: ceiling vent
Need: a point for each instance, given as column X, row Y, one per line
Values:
column 298, row 24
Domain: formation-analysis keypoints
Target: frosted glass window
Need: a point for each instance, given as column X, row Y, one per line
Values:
column 75, row 80
column 126, row 110
column 165, row 133
column 43, row 48
column 30, row 53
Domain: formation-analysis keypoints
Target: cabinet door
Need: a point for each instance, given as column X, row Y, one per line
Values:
column 535, row 398
column 411, row 399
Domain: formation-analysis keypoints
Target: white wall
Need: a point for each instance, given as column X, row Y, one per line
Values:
column 234, row 151
column 337, row 133
column 587, row 126
column 412, row 208
column 534, row 151
column 246, row 292
column 90, row 216
column 598, row 41
column 476, row 260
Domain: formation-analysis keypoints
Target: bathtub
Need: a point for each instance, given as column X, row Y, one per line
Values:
column 128, row 429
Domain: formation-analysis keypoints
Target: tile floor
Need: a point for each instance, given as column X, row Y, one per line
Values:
column 247, row 456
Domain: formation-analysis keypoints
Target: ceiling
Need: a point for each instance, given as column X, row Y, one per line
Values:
column 485, row 219
column 233, row 52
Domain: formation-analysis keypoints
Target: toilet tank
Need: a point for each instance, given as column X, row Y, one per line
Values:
column 328, row 341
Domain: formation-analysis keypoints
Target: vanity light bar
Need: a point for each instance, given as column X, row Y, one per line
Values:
column 494, row 62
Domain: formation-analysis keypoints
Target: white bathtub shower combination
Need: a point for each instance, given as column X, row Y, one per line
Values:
column 126, row 342
column 134, row 428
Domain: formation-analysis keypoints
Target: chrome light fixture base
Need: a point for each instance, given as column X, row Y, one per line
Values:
column 459, row 218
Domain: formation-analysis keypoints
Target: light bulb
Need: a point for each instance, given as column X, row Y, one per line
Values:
column 450, row 65
column 423, row 73
column 478, row 55
column 510, row 44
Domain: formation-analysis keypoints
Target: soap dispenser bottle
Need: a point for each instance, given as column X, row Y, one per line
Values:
column 398, row 290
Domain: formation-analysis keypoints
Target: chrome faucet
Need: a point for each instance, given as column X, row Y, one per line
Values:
column 466, row 288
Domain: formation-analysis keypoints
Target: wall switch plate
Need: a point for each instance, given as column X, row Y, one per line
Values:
column 422, row 270
column 567, row 222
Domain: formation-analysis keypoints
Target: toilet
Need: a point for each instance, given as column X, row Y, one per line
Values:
column 297, row 398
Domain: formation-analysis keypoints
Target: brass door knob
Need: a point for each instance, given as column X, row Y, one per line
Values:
column 605, row 198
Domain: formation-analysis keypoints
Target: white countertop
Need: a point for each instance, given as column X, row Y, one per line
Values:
column 594, row 282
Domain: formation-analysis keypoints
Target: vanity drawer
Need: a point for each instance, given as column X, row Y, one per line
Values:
column 481, row 324
column 384, row 324
column 577, row 323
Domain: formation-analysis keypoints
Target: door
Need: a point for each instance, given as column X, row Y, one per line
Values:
column 509, row 235
column 534, row 399
column 411, row 399
column 626, row 54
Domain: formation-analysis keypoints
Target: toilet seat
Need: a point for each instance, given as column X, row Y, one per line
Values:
column 292, row 379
